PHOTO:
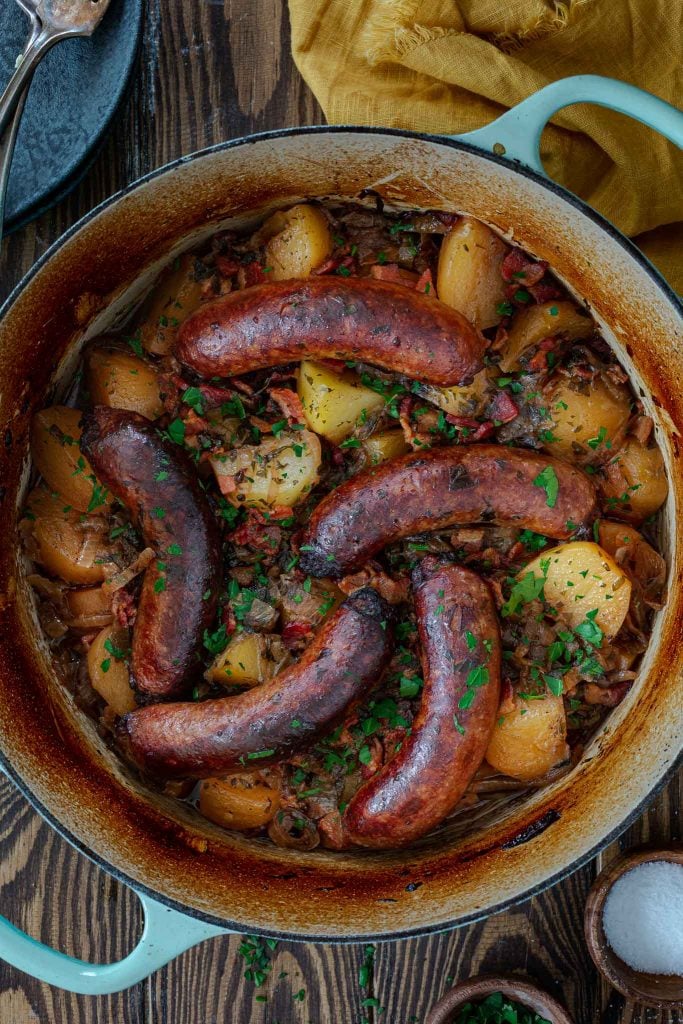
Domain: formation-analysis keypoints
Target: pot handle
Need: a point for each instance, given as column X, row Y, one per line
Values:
column 166, row 934
column 517, row 133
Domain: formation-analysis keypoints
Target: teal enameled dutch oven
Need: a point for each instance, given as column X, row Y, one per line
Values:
column 194, row 880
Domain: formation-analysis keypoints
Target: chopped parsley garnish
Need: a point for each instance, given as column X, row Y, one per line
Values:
column 589, row 630
column 176, row 431
column 255, row 952
column 217, row 641
column 194, row 398
column 595, row 442
column 547, row 479
column 99, row 496
column 528, row 588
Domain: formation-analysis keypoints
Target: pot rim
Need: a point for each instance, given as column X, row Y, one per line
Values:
column 584, row 209
column 449, row 141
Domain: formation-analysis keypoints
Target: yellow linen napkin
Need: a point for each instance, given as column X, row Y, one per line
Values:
column 452, row 65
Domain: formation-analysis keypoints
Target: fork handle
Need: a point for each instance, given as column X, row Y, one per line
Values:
column 30, row 58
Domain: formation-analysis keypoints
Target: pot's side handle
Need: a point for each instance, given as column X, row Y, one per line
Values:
column 165, row 935
column 517, row 133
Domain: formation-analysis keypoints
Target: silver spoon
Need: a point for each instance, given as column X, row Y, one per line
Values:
column 51, row 21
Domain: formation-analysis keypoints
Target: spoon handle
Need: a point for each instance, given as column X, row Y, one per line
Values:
column 38, row 45
column 7, row 144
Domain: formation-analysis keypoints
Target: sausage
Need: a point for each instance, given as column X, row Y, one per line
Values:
column 157, row 483
column 439, row 488
column 270, row 721
column 461, row 656
column 332, row 318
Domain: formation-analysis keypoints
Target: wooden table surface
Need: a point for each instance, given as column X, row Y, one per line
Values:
column 211, row 70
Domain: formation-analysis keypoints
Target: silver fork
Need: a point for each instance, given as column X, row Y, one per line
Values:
column 51, row 22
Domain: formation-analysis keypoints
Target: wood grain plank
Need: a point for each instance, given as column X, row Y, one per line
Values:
column 319, row 973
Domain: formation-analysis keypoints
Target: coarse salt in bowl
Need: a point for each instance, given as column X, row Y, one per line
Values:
column 643, row 917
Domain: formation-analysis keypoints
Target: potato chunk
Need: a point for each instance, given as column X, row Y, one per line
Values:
column 249, row 659
column 531, row 325
column 279, row 471
column 335, row 404
column 55, row 434
column 388, row 444
column 119, row 379
column 177, row 294
column 299, row 240
column 70, row 545
column 468, row 275
column 635, row 483
column 583, row 580
column 531, row 739
column 89, row 608
column 239, row 801
column 586, row 418
column 108, row 668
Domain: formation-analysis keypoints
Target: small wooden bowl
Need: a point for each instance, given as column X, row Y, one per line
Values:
column 658, row 990
column 515, row 989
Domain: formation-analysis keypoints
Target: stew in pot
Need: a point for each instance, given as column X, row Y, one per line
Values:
column 350, row 535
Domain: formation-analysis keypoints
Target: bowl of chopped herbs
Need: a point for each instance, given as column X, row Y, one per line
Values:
column 497, row 1000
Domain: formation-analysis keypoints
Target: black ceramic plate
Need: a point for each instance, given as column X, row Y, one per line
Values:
column 74, row 95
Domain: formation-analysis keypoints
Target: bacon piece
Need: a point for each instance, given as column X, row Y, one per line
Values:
column 257, row 532
column 226, row 267
column 293, row 632
column 425, row 283
column 289, row 403
column 502, row 408
column 124, row 608
column 544, row 292
column 250, row 274
column 518, row 269
column 392, row 272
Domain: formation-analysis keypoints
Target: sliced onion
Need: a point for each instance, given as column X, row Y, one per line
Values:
column 124, row 577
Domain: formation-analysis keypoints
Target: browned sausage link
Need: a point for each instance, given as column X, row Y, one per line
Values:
column 422, row 784
column 268, row 722
column 332, row 318
column 439, row 488
column 157, row 483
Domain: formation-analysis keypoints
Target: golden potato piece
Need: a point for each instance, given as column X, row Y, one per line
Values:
column 68, row 544
column 388, row 444
column 89, row 608
column 299, row 240
column 583, row 581
column 119, row 379
column 635, row 483
column 177, row 294
column 249, row 659
column 586, row 418
column 335, row 404
column 55, row 434
column 241, row 802
column 531, row 325
column 108, row 668
column 279, row 471
column 468, row 275
column 531, row 739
